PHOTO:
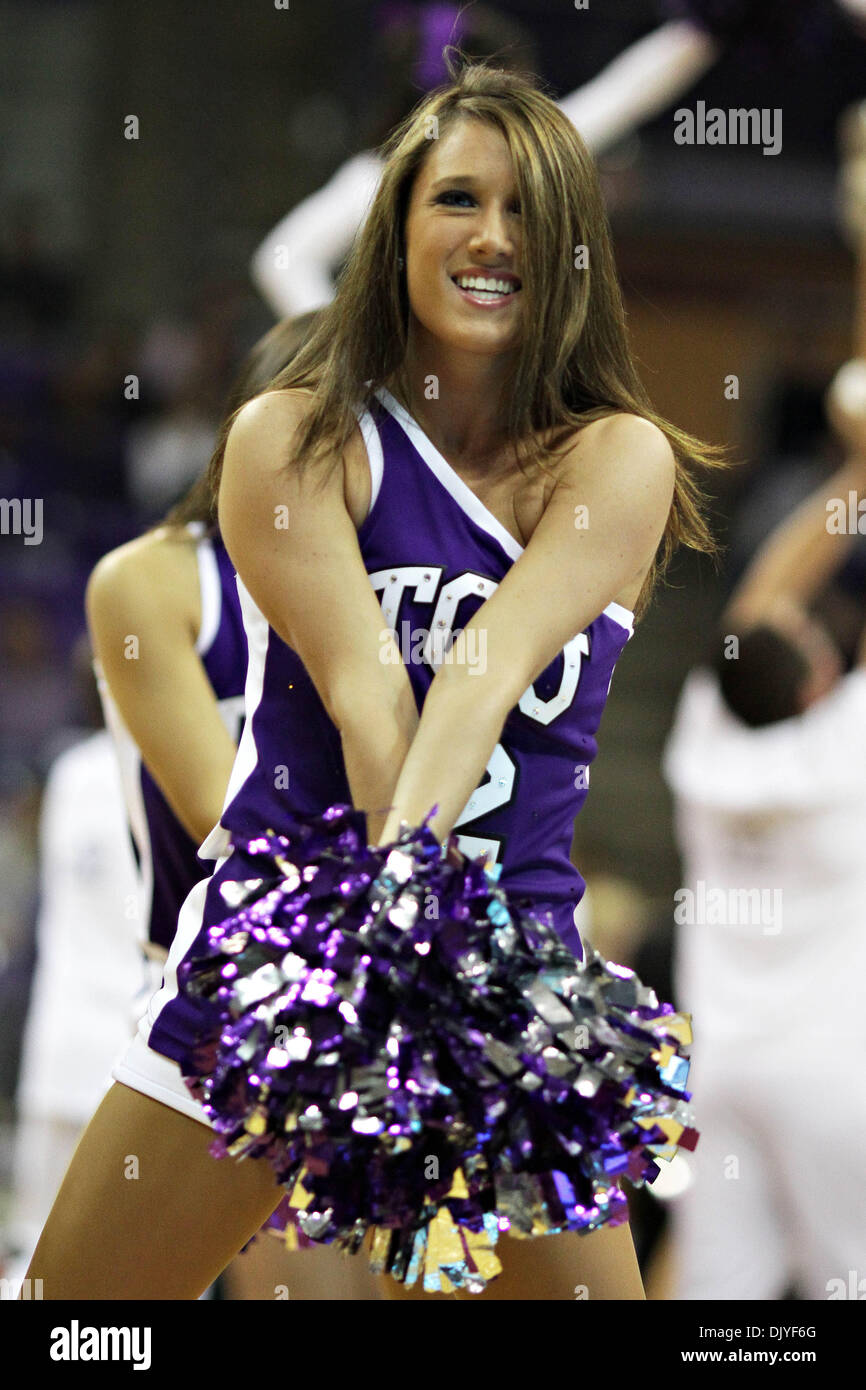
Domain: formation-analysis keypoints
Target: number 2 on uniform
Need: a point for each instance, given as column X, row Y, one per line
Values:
column 501, row 767
column 499, row 789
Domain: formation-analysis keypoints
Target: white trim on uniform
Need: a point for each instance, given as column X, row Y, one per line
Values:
column 141, row 1067
column 211, row 595
column 129, row 764
column 375, row 457
column 466, row 498
column 152, row 1074
column 257, row 633
column 623, row 616
column 451, row 481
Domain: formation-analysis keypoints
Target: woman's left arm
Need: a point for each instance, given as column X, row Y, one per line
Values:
column 600, row 530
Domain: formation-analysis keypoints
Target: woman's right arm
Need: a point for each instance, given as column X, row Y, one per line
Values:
column 295, row 547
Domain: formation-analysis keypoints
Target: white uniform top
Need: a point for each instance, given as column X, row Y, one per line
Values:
column 88, row 966
column 781, row 809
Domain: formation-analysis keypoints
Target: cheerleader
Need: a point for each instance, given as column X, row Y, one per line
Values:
column 165, row 617
column 86, row 949
column 463, row 440
column 170, row 662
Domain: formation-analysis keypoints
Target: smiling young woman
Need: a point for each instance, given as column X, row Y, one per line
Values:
column 453, row 455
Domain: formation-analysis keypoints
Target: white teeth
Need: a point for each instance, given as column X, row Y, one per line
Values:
column 492, row 286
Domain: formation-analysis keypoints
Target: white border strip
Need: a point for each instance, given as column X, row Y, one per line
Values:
column 465, row 497
column 211, row 595
column 460, row 491
column 375, row 457
column 623, row 616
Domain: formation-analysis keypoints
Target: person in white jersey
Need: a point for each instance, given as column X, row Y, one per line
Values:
column 166, row 619
column 88, row 970
column 767, row 765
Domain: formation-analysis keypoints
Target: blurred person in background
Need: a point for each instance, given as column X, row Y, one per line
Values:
column 294, row 267
column 766, row 764
column 175, row 707
column 40, row 715
column 20, row 798
column 88, row 969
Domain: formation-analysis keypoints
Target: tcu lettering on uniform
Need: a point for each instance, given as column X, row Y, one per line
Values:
column 424, row 581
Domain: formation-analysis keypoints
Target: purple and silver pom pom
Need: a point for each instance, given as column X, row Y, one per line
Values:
column 419, row 1058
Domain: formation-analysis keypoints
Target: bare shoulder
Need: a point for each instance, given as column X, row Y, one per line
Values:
column 265, row 424
column 165, row 551
column 275, row 405
column 156, row 573
column 626, row 459
column 632, row 438
column 256, row 472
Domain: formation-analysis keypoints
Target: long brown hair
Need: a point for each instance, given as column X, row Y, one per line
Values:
column 573, row 364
